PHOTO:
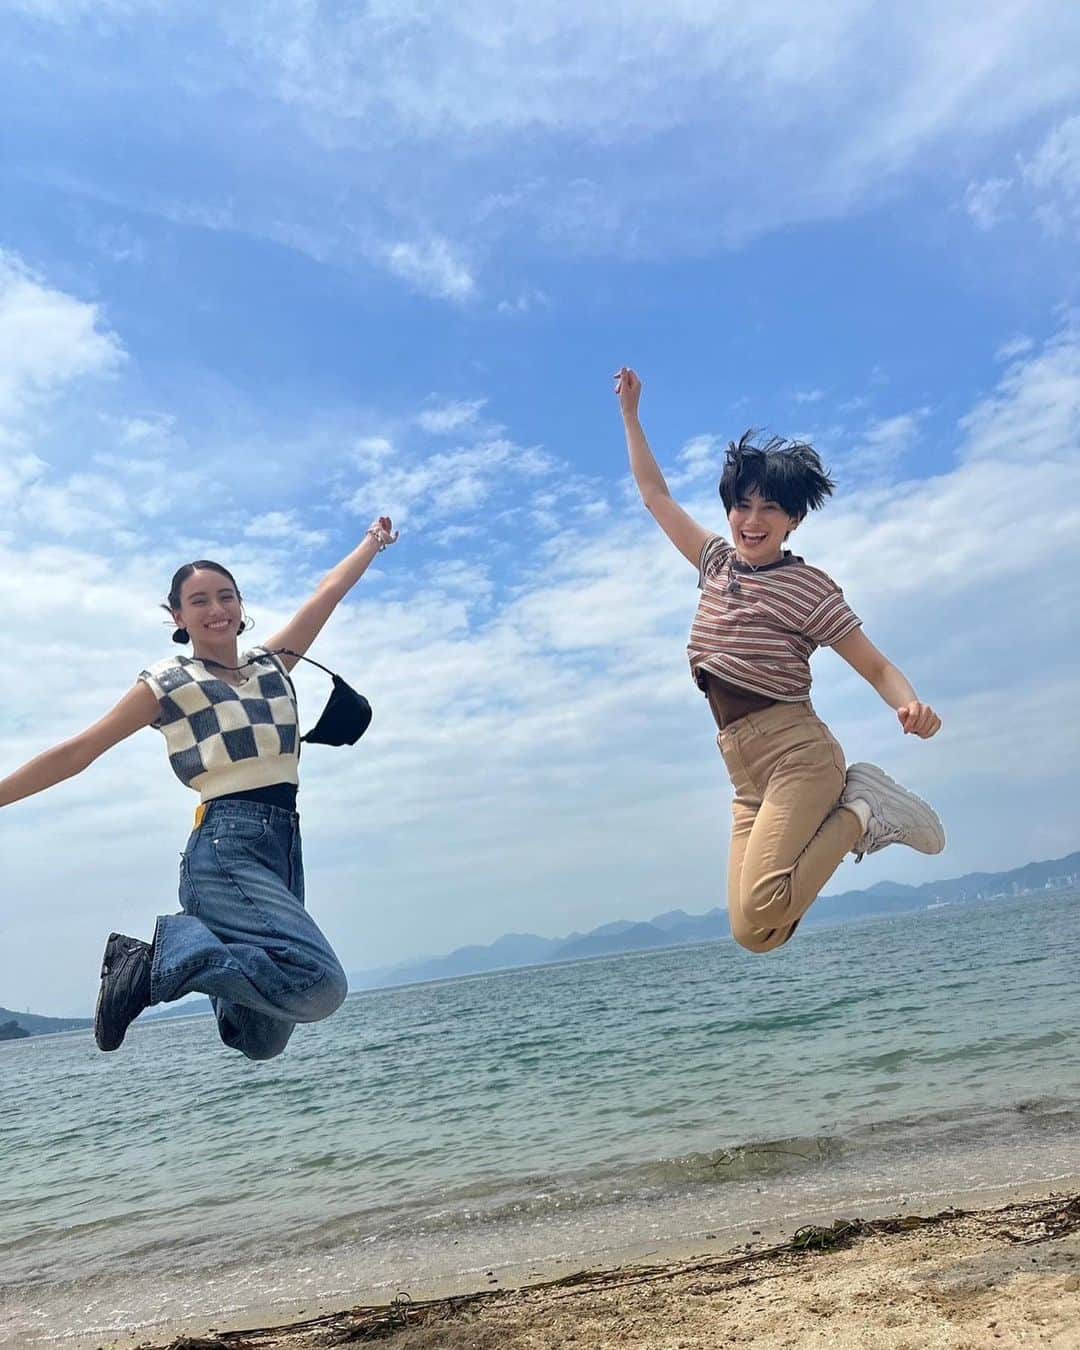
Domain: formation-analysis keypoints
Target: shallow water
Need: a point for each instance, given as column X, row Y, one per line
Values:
column 556, row 1112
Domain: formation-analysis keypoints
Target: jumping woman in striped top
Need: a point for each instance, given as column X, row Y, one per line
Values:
column 763, row 611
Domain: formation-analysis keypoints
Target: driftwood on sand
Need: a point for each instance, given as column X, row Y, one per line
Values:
column 1027, row 1222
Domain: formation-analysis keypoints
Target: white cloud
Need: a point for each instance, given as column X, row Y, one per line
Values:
column 432, row 268
column 47, row 339
column 284, row 526
column 17, row 472
column 700, row 458
column 985, row 201
column 451, row 416
column 524, row 302
column 879, row 448
column 1046, row 185
column 430, row 488
column 1053, row 174
column 398, row 129
column 371, row 451
column 1056, row 164
column 473, row 67
column 1019, row 345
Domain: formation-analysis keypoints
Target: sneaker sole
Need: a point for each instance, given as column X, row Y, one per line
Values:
column 916, row 818
column 99, row 1036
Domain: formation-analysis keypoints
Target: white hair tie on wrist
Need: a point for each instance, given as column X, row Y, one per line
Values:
column 381, row 536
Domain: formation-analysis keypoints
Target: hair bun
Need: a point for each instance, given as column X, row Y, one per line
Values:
column 181, row 635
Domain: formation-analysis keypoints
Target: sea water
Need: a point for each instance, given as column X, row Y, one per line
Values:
column 456, row 1130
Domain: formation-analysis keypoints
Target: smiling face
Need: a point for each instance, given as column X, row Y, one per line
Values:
column 759, row 527
column 210, row 608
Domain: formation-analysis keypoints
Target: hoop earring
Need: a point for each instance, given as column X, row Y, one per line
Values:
column 246, row 624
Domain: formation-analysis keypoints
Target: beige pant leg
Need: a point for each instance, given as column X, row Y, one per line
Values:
column 785, row 850
column 743, row 814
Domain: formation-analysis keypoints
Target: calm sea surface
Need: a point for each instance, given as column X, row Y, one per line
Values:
column 454, row 1130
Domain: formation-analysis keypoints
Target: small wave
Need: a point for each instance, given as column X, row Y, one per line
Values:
column 536, row 1197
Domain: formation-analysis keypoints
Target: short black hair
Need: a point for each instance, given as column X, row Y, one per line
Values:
column 783, row 471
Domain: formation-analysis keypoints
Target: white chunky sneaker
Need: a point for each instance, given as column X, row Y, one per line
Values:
column 897, row 816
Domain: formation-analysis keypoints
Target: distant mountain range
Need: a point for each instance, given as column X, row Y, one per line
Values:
column 34, row 1025
column 675, row 928
column 31, row 1024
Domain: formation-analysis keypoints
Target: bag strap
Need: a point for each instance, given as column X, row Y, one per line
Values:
column 287, row 651
column 276, row 651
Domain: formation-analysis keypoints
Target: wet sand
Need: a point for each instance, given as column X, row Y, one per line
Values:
column 960, row 1279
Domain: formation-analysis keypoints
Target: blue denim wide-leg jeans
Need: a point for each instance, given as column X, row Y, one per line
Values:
column 245, row 937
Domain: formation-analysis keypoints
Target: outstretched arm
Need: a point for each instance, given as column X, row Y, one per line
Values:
column 138, row 708
column 308, row 621
column 917, row 718
column 681, row 528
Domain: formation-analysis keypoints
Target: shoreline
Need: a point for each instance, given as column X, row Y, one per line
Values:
column 986, row 1240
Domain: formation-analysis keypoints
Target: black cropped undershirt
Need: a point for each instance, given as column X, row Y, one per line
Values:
column 277, row 794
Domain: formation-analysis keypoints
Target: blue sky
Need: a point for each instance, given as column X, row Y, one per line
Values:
column 269, row 269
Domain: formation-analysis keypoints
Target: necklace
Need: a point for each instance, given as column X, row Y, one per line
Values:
column 235, row 670
column 733, row 585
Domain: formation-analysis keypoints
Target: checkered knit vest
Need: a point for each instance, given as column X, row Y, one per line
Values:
column 223, row 738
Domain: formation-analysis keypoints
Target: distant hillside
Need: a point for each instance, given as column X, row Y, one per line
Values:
column 677, row 928
column 34, row 1025
column 30, row 1024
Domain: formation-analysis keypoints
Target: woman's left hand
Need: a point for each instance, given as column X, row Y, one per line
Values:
column 919, row 719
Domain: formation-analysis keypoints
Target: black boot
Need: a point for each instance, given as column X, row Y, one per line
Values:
column 125, row 988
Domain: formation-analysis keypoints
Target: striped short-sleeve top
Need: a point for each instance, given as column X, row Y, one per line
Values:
column 757, row 627
column 223, row 738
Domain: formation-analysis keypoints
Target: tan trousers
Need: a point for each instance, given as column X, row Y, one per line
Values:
column 789, row 832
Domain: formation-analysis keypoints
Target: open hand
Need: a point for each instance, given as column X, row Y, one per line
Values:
column 628, row 388
column 919, row 719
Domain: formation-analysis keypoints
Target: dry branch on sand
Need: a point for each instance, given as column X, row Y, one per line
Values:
column 1024, row 1223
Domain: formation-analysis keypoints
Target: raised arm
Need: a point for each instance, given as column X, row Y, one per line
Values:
column 137, row 709
column 308, row 621
column 680, row 527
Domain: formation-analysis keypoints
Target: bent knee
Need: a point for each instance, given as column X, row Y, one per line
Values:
column 769, row 905
column 761, row 940
column 324, row 997
column 264, row 1049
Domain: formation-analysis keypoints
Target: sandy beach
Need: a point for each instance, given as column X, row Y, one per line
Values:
column 955, row 1280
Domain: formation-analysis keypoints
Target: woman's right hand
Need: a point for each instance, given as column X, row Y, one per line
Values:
column 628, row 389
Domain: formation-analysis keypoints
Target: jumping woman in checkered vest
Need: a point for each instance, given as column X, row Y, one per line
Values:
column 797, row 809
column 229, row 720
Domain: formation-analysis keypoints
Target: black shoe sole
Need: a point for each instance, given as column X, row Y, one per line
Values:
column 103, row 1041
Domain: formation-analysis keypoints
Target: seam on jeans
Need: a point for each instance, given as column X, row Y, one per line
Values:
column 186, row 888
column 271, row 930
column 155, row 960
column 234, row 836
column 231, row 881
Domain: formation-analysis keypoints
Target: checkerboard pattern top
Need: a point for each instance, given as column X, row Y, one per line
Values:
column 221, row 737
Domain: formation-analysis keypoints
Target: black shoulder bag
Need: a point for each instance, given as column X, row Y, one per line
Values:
column 347, row 714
